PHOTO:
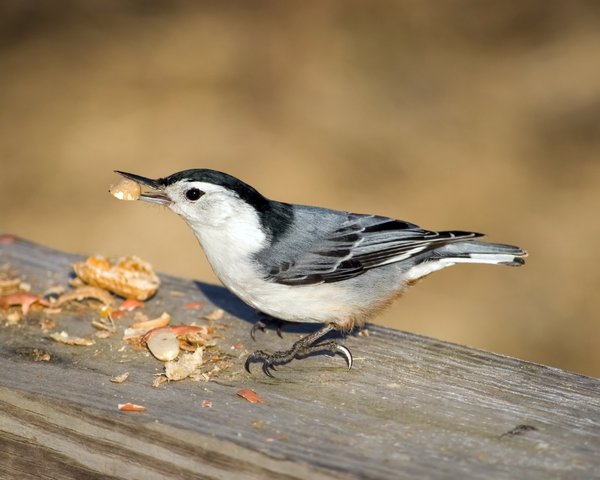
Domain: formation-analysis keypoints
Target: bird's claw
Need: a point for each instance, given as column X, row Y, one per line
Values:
column 262, row 326
column 266, row 371
column 265, row 358
column 346, row 353
column 271, row 361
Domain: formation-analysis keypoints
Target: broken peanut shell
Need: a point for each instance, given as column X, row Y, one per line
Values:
column 164, row 345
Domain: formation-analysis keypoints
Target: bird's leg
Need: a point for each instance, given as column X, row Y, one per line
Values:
column 263, row 322
column 302, row 348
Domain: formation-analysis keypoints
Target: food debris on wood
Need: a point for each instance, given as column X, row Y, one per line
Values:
column 105, row 324
column 76, row 282
column 187, row 365
column 138, row 330
column 10, row 285
column 130, row 304
column 84, row 293
column 148, row 325
column 197, row 336
column 258, row 424
column 126, row 189
column 166, row 344
column 52, row 311
column 131, row 407
column 163, row 345
column 179, row 330
column 159, row 380
column 129, row 277
column 41, row 355
column 13, row 318
column 216, row 314
column 23, row 299
column 112, row 314
column 64, row 337
column 142, row 317
column 120, row 378
column 249, row 395
column 51, row 294
column 193, row 305
column 47, row 324
column 35, row 354
column 186, row 350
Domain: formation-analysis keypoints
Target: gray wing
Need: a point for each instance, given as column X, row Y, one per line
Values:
column 360, row 243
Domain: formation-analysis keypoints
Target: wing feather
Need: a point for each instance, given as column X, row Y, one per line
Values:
column 361, row 243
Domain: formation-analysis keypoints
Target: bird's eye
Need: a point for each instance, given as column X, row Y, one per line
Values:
column 193, row 194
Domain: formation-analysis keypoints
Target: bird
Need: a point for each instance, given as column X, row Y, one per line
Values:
column 308, row 264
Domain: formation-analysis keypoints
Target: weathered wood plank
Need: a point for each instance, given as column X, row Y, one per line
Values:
column 411, row 407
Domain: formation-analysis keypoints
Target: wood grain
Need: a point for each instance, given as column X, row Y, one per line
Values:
column 411, row 407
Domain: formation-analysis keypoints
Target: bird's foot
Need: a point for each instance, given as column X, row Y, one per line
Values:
column 302, row 348
column 265, row 322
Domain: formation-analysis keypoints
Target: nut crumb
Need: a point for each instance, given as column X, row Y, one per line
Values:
column 187, row 365
column 249, row 395
column 64, row 337
column 131, row 407
column 159, row 380
column 216, row 314
column 126, row 189
column 13, row 318
column 120, row 378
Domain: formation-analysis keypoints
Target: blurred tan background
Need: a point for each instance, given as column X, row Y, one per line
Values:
column 457, row 114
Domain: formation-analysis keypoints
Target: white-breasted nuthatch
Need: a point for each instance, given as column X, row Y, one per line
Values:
column 308, row 264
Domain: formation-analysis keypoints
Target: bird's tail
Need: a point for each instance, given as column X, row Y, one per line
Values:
column 473, row 251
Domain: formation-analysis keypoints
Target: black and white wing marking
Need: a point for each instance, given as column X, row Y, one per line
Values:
column 361, row 243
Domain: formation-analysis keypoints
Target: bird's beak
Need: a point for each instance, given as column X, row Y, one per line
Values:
column 156, row 196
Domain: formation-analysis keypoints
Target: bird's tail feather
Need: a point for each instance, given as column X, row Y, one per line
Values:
column 474, row 251
column 468, row 251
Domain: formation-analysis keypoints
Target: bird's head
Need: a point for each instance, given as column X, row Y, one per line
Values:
column 207, row 198
column 202, row 196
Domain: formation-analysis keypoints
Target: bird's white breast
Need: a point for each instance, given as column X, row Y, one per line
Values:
column 237, row 270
